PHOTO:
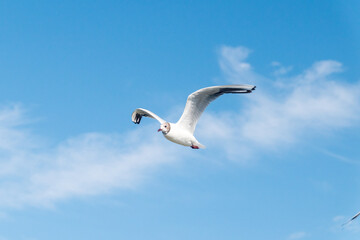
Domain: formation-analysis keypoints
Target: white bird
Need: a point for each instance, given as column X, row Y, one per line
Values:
column 182, row 132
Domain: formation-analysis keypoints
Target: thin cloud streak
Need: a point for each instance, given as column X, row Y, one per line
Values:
column 341, row 158
column 297, row 235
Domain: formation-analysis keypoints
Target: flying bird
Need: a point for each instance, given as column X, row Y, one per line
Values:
column 182, row 132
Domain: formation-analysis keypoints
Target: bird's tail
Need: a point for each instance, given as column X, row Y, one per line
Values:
column 200, row 145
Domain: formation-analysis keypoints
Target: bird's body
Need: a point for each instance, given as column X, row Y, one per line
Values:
column 182, row 132
column 182, row 136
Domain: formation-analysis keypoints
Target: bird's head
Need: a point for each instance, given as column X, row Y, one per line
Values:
column 165, row 128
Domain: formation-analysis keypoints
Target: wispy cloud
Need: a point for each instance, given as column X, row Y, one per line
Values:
column 278, row 115
column 89, row 164
column 236, row 69
column 341, row 158
column 280, row 70
column 297, row 235
column 283, row 111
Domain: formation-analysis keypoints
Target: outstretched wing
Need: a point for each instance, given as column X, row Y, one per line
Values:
column 199, row 100
column 140, row 112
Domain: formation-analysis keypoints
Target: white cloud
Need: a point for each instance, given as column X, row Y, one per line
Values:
column 297, row 235
column 284, row 112
column 278, row 114
column 280, row 69
column 304, row 107
column 90, row 164
column 232, row 63
column 320, row 70
column 339, row 218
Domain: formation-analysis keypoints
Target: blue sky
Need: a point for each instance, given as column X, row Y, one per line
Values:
column 280, row 163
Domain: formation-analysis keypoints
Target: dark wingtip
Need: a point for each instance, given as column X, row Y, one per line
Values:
column 137, row 118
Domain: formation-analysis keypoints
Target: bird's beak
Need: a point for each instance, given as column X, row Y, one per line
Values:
column 159, row 129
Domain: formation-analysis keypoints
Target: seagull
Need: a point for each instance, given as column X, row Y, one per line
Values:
column 182, row 132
